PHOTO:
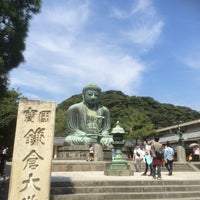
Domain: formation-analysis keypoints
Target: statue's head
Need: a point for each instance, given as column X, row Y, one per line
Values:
column 91, row 93
column 91, row 86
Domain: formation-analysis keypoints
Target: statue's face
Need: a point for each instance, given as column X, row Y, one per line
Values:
column 91, row 96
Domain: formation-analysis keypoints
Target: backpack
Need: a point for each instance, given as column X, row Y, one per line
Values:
column 159, row 155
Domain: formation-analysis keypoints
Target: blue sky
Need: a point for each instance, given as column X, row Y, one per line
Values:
column 140, row 47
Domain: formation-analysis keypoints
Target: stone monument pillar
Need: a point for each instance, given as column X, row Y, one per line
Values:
column 98, row 152
column 33, row 148
column 181, row 156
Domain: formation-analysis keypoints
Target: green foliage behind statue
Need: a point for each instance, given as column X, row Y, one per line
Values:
column 139, row 116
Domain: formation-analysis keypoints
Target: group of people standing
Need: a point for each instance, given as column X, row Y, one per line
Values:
column 155, row 156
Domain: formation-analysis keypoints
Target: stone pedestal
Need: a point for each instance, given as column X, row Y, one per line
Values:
column 118, row 167
column 82, row 152
column 98, row 152
column 181, row 155
column 123, row 172
column 73, row 153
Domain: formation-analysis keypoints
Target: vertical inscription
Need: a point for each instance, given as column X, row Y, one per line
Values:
column 33, row 146
column 35, row 137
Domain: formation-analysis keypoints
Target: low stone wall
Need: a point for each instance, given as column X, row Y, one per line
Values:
column 72, row 152
column 78, row 153
column 65, row 166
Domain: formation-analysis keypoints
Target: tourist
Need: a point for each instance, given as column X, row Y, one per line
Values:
column 147, row 150
column 196, row 153
column 137, row 157
column 157, row 150
column 91, row 153
column 1, row 162
column 113, row 153
column 190, row 157
column 148, row 159
column 168, row 156
column 88, row 122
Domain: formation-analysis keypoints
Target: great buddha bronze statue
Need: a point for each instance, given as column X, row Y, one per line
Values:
column 88, row 122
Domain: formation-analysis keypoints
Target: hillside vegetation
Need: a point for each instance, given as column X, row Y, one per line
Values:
column 139, row 116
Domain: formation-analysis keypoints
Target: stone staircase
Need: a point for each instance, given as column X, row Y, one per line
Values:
column 123, row 189
column 118, row 189
column 65, row 166
column 102, row 190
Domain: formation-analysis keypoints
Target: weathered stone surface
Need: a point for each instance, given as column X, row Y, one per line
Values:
column 32, row 156
column 119, row 172
column 66, row 166
column 80, row 152
column 98, row 152
column 181, row 155
column 136, row 187
column 73, row 152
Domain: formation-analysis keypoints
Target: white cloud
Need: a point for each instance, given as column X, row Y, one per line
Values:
column 143, row 6
column 33, row 80
column 68, row 15
column 192, row 61
column 189, row 57
column 145, row 26
column 147, row 35
column 62, row 57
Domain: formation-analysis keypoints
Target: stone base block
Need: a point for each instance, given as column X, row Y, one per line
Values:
column 119, row 165
column 73, row 152
column 119, row 172
column 81, row 153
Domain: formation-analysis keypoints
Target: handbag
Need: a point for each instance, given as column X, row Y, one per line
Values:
column 137, row 154
column 165, row 160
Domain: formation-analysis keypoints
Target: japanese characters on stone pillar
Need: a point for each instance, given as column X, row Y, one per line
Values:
column 33, row 148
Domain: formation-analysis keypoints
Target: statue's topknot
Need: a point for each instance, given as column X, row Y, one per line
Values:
column 92, row 86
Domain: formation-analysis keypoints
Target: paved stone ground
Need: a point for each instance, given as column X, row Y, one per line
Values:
column 99, row 175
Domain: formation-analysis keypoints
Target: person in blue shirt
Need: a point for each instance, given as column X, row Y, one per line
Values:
column 113, row 154
column 169, row 157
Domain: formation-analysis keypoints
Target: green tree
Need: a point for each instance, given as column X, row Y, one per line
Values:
column 60, row 124
column 136, row 123
column 8, row 115
column 14, row 22
column 139, row 116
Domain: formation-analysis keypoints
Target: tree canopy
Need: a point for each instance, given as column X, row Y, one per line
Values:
column 139, row 116
column 8, row 117
column 14, row 23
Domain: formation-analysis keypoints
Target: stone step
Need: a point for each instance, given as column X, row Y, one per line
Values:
column 184, row 198
column 132, row 195
column 61, row 166
column 122, row 189
column 124, row 183
column 154, row 189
